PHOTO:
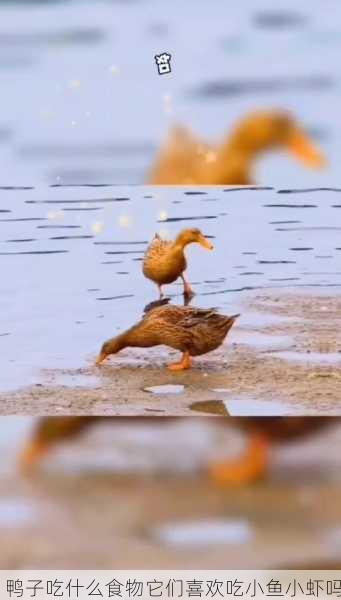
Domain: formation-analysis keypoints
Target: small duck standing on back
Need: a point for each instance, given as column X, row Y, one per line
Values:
column 165, row 261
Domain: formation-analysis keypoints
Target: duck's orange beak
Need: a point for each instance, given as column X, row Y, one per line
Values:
column 303, row 148
column 100, row 358
column 31, row 456
column 205, row 243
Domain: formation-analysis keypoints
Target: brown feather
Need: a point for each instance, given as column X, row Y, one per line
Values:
column 185, row 328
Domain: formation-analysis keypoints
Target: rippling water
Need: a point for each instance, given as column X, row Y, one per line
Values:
column 70, row 259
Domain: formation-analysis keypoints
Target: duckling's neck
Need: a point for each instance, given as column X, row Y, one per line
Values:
column 180, row 243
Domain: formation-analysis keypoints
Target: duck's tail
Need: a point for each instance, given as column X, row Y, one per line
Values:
column 228, row 322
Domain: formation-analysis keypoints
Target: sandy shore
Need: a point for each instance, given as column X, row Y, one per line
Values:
column 113, row 520
column 285, row 361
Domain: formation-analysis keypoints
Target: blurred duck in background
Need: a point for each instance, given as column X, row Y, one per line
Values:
column 186, row 160
column 263, row 434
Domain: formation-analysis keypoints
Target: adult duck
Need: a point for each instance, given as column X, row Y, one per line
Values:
column 193, row 331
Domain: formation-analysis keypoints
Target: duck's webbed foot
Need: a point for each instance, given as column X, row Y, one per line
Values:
column 249, row 468
column 188, row 293
column 155, row 304
column 187, row 300
column 186, row 363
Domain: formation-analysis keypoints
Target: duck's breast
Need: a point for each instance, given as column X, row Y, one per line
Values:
column 164, row 267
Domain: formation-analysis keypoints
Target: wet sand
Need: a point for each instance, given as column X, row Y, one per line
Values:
column 283, row 358
column 114, row 519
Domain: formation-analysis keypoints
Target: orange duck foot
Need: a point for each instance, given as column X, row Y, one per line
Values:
column 249, row 468
column 186, row 363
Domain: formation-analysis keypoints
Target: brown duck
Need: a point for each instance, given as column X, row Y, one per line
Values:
column 263, row 434
column 193, row 331
column 186, row 160
column 165, row 261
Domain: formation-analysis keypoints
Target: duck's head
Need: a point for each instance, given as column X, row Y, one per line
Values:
column 48, row 433
column 32, row 455
column 266, row 130
column 110, row 347
column 190, row 236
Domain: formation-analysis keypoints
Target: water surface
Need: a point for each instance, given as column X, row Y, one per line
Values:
column 63, row 294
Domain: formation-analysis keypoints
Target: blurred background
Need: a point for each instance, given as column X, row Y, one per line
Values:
column 125, row 494
column 81, row 99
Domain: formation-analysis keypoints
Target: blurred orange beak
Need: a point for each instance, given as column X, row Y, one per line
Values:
column 302, row 148
column 205, row 243
column 100, row 358
column 31, row 456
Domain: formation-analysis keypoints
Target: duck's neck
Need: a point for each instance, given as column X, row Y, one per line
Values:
column 179, row 246
column 234, row 163
column 237, row 144
column 135, row 337
column 118, row 342
column 180, row 243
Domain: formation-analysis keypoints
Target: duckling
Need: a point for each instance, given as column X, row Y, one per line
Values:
column 193, row 331
column 187, row 160
column 165, row 261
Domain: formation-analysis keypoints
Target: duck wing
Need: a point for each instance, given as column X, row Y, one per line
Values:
column 208, row 329
column 157, row 248
column 185, row 328
column 161, row 264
